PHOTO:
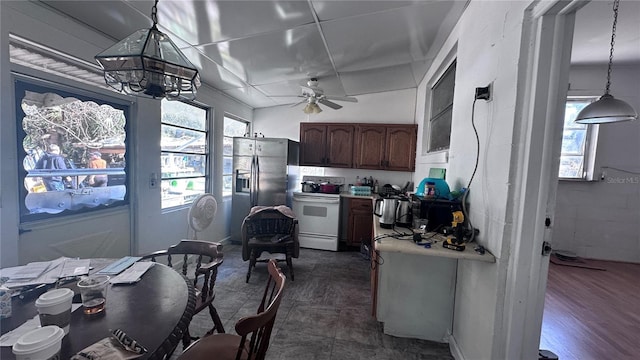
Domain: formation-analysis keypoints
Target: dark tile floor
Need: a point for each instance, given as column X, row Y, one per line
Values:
column 325, row 313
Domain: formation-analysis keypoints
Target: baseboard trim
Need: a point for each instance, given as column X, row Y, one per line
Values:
column 455, row 349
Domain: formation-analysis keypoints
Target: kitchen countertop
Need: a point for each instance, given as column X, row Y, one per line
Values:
column 406, row 245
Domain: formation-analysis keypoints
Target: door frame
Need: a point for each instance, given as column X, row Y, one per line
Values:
column 545, row 54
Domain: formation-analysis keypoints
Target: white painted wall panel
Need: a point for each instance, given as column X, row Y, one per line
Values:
column 486, row 46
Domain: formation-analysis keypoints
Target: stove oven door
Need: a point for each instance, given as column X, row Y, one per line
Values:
column 318, row 218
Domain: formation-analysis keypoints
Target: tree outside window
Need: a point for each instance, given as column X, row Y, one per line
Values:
column 185, row 153
column 72, row 152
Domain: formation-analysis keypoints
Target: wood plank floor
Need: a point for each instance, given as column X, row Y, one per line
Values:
column 591, row 314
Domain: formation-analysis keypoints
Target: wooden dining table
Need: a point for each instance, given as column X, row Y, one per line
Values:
column 155, row 311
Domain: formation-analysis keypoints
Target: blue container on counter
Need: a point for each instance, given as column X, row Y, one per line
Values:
column 442, row 190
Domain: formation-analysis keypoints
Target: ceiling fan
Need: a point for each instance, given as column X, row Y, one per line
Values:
column 313, row 95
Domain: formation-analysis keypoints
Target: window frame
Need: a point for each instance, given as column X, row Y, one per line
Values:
column 23, row 83
column 589, row 147
column 225, row 136
column 434, row 117
column 207, row 153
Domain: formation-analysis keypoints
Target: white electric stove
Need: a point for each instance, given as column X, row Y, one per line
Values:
column 318, row 215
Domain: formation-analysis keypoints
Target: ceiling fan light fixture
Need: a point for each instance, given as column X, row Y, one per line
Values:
column 312, row 108
column 608, row 109
column 147, row 63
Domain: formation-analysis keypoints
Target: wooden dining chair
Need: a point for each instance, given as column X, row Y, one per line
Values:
column 198, row 261
column 252, row 340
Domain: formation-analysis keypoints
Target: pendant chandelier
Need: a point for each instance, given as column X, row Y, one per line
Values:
column 608, row 109
column 147, row 63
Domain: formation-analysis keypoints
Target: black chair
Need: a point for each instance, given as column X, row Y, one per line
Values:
column 198, row 261
column 272, row 229
column 253, row 331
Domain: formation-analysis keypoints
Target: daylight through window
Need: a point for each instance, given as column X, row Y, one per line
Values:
column 185, row 153
column 576, row 143
column 73, row 152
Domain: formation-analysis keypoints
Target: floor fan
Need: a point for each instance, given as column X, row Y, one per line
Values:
column 201, row 213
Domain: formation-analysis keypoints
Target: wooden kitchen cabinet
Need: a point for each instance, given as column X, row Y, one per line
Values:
column 360, row 221
column 324, row 144
column 386, row 147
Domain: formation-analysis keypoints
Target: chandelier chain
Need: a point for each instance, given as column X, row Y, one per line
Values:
column 616, row 3
column 154, row 13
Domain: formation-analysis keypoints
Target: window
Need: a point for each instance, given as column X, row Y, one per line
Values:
column 185, row 153
column 441, row 110
column 71, row 151
column 578, row 141
column 232, row 127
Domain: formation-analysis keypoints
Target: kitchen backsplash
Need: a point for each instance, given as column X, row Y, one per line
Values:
column 399, row 178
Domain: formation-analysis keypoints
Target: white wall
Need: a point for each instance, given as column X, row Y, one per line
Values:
column 486, row 45
column 385, row 107
column 153, row 229
column 600, row 219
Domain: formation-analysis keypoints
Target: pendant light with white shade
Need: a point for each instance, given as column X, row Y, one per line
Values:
column 608, row 109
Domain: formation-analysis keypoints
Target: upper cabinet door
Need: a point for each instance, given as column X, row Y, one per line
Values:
column 313, row 140
column 370, row 146
column 340, row 145
column 401, row 147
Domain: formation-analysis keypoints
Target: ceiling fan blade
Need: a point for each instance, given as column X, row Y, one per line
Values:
column 330, row 104
column 299, row 102
column 342, row 98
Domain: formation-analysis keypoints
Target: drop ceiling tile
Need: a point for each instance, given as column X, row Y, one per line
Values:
column 251, row 97
column 113, row 18
column 330, row 10
column 384, row 39
column 292, row 54
column 329, row 84
column 212, row 73
column 389, row 78
column 203, row 22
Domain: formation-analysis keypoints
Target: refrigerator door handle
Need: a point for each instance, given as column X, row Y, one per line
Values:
column 252, row 186
column 257, row 178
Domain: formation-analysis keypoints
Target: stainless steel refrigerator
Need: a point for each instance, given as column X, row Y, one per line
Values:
column 265, row 173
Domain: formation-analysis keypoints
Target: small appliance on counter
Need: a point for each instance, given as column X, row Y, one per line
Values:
column 386, row 208
column 436, row 213
column 403, row 212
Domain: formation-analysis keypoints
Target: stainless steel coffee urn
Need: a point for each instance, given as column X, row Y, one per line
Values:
column 385, row 209
column 403, row 212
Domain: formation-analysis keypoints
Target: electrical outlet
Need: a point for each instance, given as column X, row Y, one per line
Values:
column 153, row 181
column 483, row 93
